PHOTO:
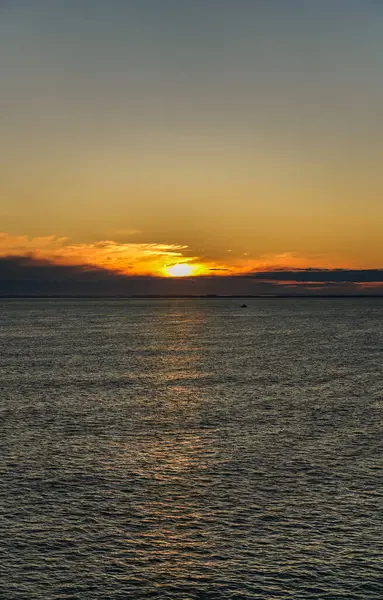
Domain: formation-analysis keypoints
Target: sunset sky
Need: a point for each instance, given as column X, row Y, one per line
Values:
column 235, row 136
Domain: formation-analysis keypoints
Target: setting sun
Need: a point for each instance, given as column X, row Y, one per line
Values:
column 179, row 270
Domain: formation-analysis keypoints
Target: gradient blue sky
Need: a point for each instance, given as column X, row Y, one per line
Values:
column 243, row 125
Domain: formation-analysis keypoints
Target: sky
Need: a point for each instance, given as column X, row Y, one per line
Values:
column 235, row 137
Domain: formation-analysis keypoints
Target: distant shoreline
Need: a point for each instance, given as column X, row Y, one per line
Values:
column 184, row 296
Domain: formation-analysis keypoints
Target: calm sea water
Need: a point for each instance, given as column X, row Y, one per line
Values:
column 191, row 449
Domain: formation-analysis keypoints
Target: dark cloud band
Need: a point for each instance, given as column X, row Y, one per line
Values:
column 321, row 275
column 23, row 275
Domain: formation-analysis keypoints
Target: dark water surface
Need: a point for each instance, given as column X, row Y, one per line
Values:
column 191, row 449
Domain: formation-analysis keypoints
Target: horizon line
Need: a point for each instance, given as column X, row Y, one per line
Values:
column 169, row 296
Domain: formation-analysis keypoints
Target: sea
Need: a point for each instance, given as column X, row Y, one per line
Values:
column 191, row 449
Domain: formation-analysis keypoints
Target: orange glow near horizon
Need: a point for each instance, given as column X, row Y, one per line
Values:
column 179, row 270
column 187, row 269
column 160, row 259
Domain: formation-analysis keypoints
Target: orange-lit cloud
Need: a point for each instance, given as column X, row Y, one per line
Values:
column 123, row 257
column 126, row 258
column 288, row 260
column 159, row 259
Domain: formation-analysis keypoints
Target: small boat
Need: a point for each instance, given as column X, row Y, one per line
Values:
column 243, row 305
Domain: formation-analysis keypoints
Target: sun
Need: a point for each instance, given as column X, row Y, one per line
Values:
column 179, row 270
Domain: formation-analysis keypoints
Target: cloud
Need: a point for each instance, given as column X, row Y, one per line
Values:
column 52, row 265
column 17, row 245
column 29, row 268
column 26, row 275
column 284, row 261
column 128, row 258
column 314, row 276
column 148, row 258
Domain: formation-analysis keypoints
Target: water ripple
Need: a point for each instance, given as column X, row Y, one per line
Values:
column 187, row 450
